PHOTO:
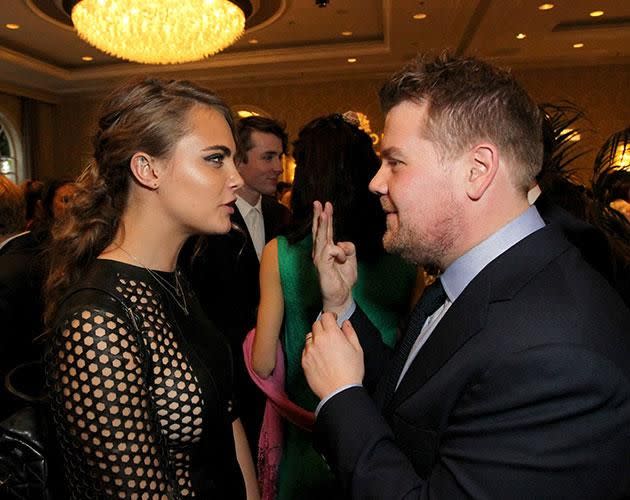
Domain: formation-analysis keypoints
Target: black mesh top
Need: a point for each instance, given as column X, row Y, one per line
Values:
column 108, row 390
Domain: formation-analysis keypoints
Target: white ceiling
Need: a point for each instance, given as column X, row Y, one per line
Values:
column 301, row 41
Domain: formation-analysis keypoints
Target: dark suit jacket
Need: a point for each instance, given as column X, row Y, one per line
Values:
column 225, row 278
column 521, row 391
column 21, row 309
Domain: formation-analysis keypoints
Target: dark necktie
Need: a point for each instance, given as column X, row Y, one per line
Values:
column 432, row 298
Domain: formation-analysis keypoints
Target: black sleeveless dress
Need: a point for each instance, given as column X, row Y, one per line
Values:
column 141, row 412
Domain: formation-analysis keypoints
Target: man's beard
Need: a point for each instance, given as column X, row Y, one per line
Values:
column 427, row 248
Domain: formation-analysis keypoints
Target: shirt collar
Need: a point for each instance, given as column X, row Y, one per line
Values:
column 463, row 270
column 244, row 207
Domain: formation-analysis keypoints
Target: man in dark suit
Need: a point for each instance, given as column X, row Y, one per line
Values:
column 225, row 273
column 512, row 379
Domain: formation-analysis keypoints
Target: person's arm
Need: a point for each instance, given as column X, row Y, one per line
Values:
column 270, row 312
column 100, row 400
column 546, row 422
column 244, row 458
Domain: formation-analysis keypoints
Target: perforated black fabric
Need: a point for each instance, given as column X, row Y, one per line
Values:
column 105, row 400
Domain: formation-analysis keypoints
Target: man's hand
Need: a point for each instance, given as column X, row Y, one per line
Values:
column 332, row 356
column 335, row 263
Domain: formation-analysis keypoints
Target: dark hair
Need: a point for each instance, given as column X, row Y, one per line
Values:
column 282, row 186
column 48, row 197
column 335, row 162
column 470, row 100
column 246, row 126
column 556, row 178
column 149, row 115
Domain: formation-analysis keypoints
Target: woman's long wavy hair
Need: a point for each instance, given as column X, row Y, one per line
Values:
column 335, row 162
column 148, row 115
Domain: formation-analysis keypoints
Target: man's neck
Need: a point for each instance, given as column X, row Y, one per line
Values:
column 249, row 195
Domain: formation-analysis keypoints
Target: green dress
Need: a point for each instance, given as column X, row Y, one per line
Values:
column 383, row 290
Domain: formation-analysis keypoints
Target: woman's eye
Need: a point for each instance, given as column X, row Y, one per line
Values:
column 216, row 159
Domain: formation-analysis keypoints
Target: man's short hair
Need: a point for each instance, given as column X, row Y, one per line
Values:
column 246, row 126
column 12, row 208
column 469, row 100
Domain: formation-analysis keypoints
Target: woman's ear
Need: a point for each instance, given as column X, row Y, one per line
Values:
column 143, row 169
column 482, row 170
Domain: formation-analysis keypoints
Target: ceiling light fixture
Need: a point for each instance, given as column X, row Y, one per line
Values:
column 420, row 15
column 346, row 33
column 159, row 31
column 87, row 58
column 12, row 26
column 521, row 36
column 546, row 6
column 578, row 45
column 253, row 41
column 352, row 59
column 596, row 13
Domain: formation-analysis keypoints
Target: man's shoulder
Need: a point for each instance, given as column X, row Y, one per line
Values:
column 546, row 274
column 545, row 285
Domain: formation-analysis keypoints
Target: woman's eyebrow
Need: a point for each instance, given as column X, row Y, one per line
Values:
column 227, row 151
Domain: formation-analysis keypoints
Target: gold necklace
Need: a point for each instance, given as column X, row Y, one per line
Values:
column 174, row 291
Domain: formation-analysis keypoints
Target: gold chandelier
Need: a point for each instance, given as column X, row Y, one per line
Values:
column 159, row 31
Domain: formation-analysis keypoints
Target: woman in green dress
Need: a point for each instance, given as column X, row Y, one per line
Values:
column 335, row 162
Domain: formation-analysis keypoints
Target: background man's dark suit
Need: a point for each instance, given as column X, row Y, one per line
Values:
column 521, row 391
column 225, row 278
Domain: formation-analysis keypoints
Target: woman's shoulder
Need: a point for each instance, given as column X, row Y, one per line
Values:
column 97, row 294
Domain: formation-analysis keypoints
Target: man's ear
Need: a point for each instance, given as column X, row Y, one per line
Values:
column 143, row 169
column 484, row 163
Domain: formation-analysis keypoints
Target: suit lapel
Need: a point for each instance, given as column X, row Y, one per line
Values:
column 465, row 317
column 499, row 280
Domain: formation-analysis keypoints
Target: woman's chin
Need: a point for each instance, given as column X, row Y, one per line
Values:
column 224, row 228
column 221, row 226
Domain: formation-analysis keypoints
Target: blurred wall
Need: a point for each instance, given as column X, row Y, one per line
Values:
column 603, row 92
column 10, row 107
